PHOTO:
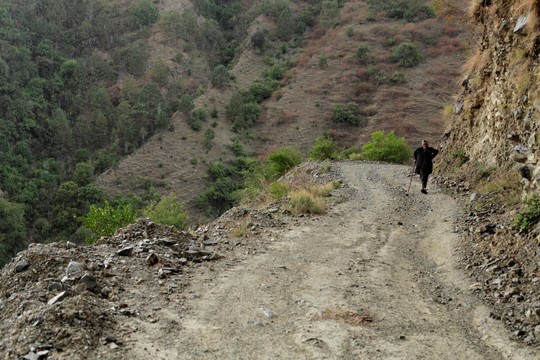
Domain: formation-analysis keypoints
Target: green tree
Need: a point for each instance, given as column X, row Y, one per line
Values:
column 84, row 173
column 284, row 159
column 12, row 230
column 186, row 105
column 209, row 135
column 329, row 12
column 105, row 220
column 387, row 148
column 258, row 40
column 323, row 61
column 144, row 13
column 347, row 113
column 160, row 72
column 220, row 76
column 407, row 55
column 168, row 211
column 324, row 149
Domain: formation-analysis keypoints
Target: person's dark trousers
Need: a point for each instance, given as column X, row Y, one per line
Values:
column 424, row 178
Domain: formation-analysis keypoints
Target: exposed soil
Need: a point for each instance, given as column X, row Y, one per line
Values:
column 374, row 278
column 377, row 276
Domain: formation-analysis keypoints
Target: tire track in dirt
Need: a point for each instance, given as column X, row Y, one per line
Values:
column 375, row 278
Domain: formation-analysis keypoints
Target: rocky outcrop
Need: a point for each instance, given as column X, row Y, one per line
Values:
column 496, row 120
column 491, row 154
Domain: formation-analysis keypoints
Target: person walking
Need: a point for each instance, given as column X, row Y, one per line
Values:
column 423, row 158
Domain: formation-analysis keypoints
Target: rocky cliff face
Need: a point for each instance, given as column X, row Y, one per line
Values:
column 495, row 121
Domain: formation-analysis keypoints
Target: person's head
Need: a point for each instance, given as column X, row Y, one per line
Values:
column 424, row 144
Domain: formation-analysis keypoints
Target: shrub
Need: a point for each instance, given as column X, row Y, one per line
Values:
column 407, row 55
column 347, row 113
column 461, row 156
column 144, row 13
column 258, row 92
column 214, row 112
column 398, row 77
column 168, row 211
column 258, row 39
column 350, row 31
column 220, row 76
column 200, row 114
column 103, row 221
column 362, row 51
column 284, row 159
column 323, row 190
column 387, row 148
column 324, row 149
column 526, row 219
column 344, row 154
column 302, row 201
column 209, row 135
column 279, row 190
column 323, row 61
column 275, row 72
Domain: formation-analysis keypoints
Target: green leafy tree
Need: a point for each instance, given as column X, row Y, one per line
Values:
column 329, row 12
column 168, row 211
column 284, row 159
column 186, row 105
column 324, row 149
column 209, row 135
column 105, row 220
column 84, row 173
column 387, row 148
column 362, row 50
column 347, row 113
column 12, row 230
column 144, row 13
column 258, row 40
column 160, row 72
column 323, row 61
column 220, row 76
column 407, row 55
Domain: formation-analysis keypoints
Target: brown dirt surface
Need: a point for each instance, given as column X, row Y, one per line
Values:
column 379, row 275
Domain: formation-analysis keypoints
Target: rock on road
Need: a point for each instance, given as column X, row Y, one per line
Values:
column 377, row 277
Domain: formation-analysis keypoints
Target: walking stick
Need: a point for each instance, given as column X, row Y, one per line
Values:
column 412, row 175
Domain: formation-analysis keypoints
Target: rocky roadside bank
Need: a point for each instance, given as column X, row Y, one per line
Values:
column 504, row 262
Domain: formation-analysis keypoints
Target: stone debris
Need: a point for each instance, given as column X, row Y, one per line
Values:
column 498, row 258
column 58, row 300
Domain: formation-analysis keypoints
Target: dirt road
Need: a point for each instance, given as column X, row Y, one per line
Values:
column 375, row 278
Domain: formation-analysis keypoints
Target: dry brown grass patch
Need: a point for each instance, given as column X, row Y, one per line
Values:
column 240, row 230
column 349, row 317
column 475, row 9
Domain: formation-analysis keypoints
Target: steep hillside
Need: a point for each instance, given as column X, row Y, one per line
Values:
column 384, row 95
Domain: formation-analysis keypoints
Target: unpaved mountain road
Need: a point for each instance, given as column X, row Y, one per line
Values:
column 377, row 277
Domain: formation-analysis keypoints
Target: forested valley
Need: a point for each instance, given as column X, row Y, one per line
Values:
column 78, row 93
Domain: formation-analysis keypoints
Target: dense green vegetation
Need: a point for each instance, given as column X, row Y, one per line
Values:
column 386, row 147
column 528, row 218
column 75, row 99
column 409, row 10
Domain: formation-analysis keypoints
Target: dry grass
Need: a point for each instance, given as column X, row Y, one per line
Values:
column 505, row 189
column 305, row 202
column 322, row 190
column 475, row 9
column 240, row 230
column 349, row 317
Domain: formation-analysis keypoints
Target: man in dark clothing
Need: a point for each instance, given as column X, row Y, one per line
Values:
column 423, row 157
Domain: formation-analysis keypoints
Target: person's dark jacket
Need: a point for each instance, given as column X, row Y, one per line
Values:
column 424, row 157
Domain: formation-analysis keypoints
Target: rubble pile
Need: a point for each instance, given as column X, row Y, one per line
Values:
column 64, row 300
column 505, row 265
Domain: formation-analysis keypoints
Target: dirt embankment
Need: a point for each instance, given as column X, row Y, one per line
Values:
column 376, row 277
